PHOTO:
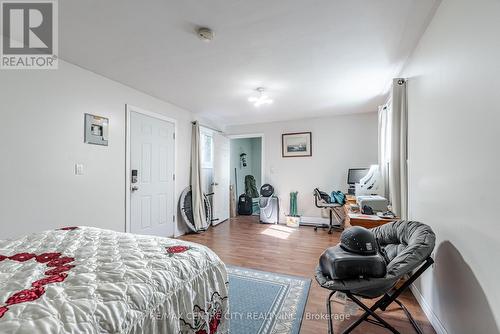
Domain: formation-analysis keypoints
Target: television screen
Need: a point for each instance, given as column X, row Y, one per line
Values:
column 356, row 174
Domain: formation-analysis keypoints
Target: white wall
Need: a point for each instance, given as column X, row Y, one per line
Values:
column 454, row 128
column 41, row 139
column 338, row 143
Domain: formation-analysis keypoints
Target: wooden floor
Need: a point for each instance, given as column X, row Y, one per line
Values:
column 244, row 242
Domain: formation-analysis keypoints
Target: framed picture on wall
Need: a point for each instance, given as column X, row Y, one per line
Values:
column 297, row 144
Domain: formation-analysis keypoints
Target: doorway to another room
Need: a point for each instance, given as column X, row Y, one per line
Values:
column 246, row 171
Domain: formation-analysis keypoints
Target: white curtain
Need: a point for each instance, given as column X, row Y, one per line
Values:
column 393, row 147
column 384, row 147
column 196, row 183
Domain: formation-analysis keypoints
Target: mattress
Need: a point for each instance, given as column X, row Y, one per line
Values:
column 89, row 280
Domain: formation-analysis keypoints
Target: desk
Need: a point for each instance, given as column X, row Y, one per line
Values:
column 358, row 219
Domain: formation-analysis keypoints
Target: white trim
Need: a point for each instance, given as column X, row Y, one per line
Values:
column 128, row 109
column 262, row 150
column 433, row 319
column 151, row 114
column 246, row 135
column 206, row 129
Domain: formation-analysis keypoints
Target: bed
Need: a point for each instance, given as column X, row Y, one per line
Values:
column 89, row 280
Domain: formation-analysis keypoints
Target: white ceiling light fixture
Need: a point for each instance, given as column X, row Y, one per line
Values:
column 262, row 99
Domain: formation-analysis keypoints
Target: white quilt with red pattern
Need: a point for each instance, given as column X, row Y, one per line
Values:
column 89, row 280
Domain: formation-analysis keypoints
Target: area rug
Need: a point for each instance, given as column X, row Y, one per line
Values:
column 263, row 302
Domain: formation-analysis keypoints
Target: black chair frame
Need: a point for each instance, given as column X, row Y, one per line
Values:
column 380, row 304
column 332, row 211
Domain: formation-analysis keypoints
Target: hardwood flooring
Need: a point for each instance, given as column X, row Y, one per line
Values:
column 242, row 241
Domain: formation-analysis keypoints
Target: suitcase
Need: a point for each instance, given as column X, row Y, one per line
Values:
column 245, row 206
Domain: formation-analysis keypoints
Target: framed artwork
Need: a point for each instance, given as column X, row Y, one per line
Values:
column 297, row 144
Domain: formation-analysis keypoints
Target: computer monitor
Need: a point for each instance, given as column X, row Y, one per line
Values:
column 356, row 174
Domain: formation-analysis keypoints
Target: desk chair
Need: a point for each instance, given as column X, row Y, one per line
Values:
column 408, row 245
column 332, row 208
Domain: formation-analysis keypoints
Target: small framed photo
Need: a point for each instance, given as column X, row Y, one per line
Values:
column 296, row 144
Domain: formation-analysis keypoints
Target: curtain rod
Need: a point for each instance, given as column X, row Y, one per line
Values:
column 207, row 127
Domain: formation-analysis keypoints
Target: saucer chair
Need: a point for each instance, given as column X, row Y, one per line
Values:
column 408, row 245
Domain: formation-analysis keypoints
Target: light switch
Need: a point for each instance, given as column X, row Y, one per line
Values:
column 78, row 169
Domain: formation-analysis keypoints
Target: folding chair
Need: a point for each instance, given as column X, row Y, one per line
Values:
column 408, row 245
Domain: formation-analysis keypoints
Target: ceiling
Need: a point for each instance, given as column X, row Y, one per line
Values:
column 315, row 58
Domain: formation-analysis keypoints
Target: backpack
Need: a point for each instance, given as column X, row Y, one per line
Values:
column 245, row 207
column 338, row 197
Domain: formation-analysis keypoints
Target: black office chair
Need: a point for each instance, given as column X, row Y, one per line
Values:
column 332, row 208
column 408, row 245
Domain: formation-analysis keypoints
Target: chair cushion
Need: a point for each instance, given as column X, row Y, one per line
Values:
column 338, row 263
column 407, row 243
column 365, row 287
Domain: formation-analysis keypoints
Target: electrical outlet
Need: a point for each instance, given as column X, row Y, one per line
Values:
column 78, row 169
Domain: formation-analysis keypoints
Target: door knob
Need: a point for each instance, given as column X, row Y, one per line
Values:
column 134, row 188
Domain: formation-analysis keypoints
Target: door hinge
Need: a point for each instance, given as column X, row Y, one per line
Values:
column 174, row 218
column 174, row 135
column 173, row 177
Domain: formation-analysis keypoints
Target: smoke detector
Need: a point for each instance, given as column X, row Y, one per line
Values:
column 205, row 34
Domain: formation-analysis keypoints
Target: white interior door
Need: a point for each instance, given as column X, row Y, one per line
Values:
column 152, row 158
column 221, row 178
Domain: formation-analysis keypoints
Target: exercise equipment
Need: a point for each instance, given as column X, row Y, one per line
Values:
column 186, row 209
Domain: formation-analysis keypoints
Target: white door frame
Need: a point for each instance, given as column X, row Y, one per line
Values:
column 128, row 109
column 262, row 151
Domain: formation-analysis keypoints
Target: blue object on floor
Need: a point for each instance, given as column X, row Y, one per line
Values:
column 263, row 302
column 255, row 206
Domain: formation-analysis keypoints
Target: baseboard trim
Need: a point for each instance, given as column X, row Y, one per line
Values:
column 433, row 319
column 179, row 233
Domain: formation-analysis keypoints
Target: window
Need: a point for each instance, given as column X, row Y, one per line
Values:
column 207, row 150
column 207, row 160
